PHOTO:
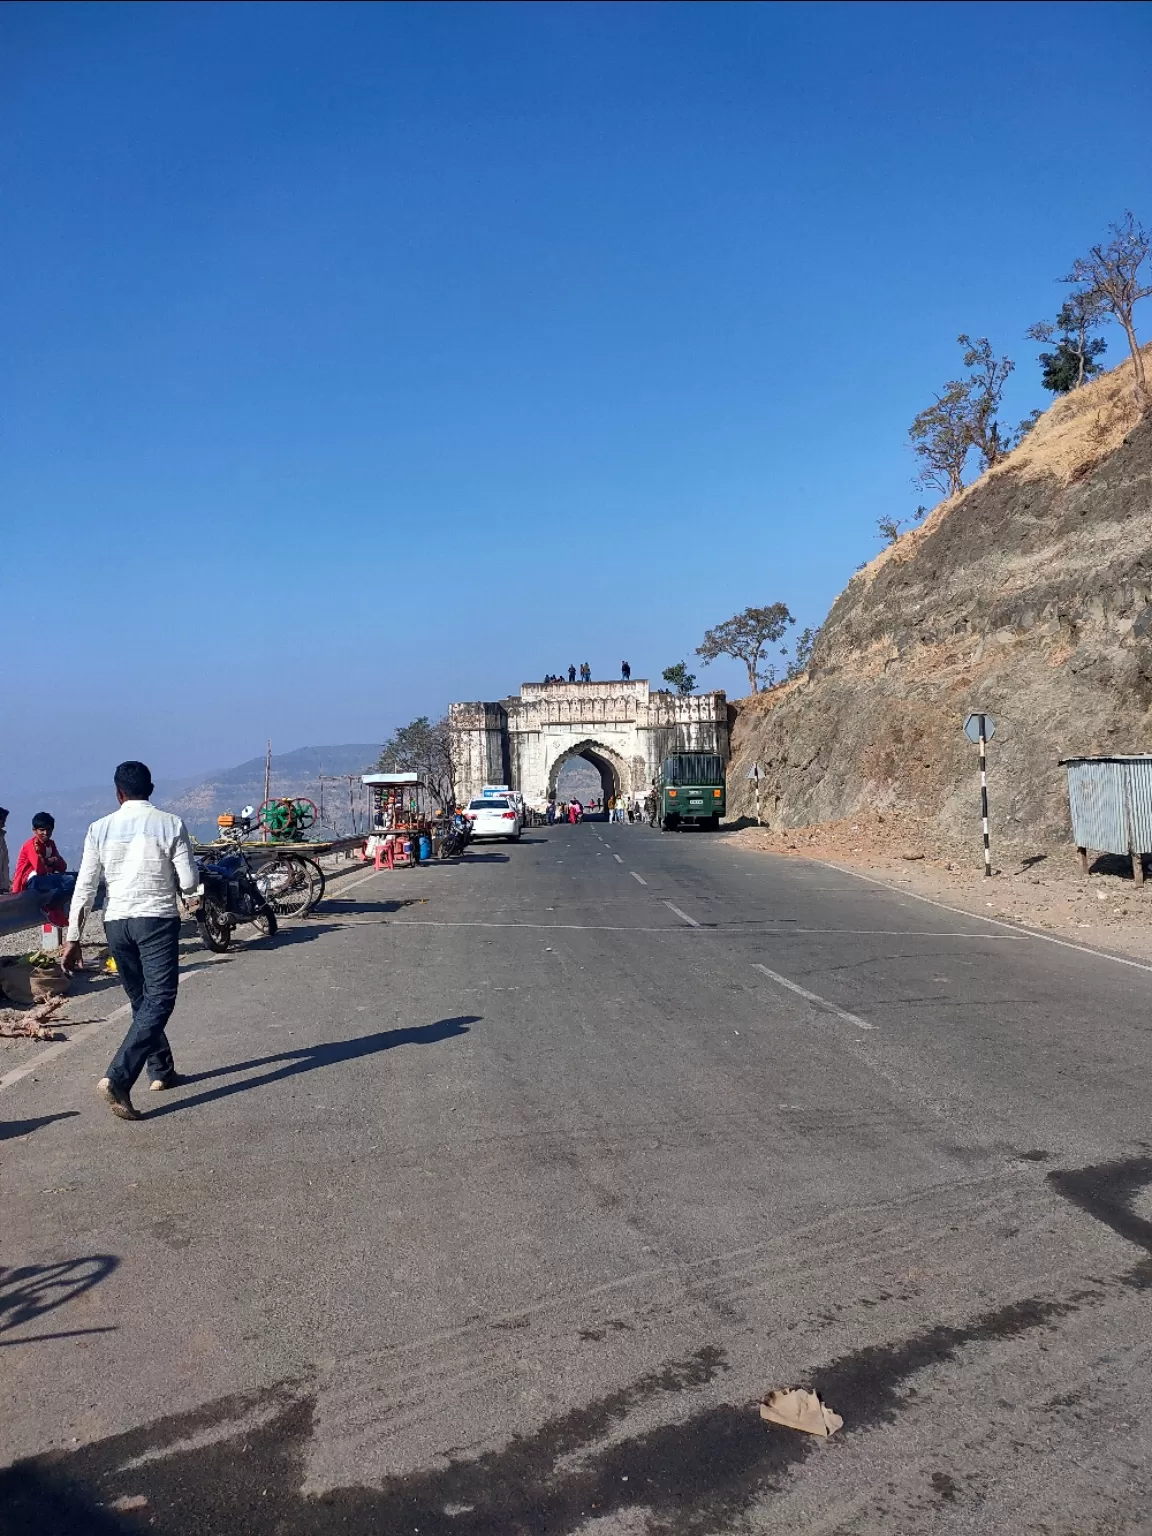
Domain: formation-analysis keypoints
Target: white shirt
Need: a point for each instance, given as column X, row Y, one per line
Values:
column 143, row 855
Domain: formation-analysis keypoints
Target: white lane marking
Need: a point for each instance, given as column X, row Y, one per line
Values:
column 427, row 922
column 635, row 876
column 607, row 845
column 618, row 859
column 754, row 933
column 683, row 916
column 364, row 879
column 812, row 997
column 1026, row 933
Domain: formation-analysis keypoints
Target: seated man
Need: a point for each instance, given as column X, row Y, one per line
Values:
column 41, row 870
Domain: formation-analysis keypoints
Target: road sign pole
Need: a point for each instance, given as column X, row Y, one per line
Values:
column 758, row 800
column 984, row 796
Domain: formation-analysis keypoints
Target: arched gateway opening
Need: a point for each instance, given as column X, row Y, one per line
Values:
column 565, row 771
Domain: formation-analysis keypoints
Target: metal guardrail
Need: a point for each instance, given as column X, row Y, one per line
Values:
column 254, row 850
column 22, row 911
column 18, row 912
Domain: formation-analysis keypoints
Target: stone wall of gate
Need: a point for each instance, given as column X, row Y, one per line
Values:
column 522, row 741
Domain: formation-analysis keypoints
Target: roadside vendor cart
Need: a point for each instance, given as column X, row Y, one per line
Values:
column 398, row 819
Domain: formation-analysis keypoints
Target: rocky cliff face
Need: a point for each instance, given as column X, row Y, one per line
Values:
column 1029, row 596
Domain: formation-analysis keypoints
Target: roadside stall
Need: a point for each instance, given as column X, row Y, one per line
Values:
column 399, row 820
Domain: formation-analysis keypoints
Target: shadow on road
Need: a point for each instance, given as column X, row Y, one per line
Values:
column 10, row 1128
column 35, row 1289
column 40, row 1501
column 307, row 1058
column 346, row 907
column 294, row 935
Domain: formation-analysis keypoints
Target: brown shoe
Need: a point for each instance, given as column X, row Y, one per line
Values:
column 119, row 1102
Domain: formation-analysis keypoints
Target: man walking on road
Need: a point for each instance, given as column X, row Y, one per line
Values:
column 145, row 857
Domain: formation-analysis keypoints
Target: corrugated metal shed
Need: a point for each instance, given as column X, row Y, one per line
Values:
column 1111, row 801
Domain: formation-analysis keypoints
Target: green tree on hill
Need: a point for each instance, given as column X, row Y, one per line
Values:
column 679, row 676
column 1074, row 360
column 744, row 637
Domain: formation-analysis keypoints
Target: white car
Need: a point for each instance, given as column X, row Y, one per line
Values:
column 494, row 817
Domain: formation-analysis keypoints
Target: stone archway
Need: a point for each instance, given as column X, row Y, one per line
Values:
column 612, row 769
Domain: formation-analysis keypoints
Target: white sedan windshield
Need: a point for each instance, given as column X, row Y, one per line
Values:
column 489, row 805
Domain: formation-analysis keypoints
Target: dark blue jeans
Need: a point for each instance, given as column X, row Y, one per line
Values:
column 53, row 892
column 147, row 955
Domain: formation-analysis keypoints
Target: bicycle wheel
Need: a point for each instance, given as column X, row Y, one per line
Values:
column 316, row 882
column 265, row 923
column 286, row 885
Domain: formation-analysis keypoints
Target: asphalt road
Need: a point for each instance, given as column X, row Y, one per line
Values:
column 502, row 1191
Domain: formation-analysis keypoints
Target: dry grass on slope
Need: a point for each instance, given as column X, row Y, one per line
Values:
column 1075, row 434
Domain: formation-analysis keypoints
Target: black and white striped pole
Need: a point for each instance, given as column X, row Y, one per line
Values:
column 981, row 729
column 755, row 775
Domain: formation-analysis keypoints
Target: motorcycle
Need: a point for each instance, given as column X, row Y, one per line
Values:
column 230, row 896
column 455, row 837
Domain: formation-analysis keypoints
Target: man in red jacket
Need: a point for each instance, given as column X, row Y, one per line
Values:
column 41, row 871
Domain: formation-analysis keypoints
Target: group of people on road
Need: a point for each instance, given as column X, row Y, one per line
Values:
column 571, row 811
column 143, row 858
column 619, row 808
column 632, row 808
column 585, row 673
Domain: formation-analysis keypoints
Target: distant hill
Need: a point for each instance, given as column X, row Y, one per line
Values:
column 201, row 799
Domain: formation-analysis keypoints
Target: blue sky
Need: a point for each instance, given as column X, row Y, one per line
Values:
column 359, row 358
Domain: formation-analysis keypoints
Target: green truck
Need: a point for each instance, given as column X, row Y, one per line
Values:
column 691, row 789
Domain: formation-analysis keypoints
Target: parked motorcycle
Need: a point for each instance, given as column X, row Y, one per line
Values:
column 454, row 838
column 230, row 897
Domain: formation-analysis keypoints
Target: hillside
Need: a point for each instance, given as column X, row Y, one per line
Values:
column 1029, row 596
column 200, row 799
column 293, row 773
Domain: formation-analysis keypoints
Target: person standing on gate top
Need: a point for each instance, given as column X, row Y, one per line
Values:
column 144, row 856
column 572, row 674
column 625, row 671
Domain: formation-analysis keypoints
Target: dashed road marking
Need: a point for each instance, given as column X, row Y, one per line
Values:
column 683, row 916
column 812, row 997
column 635, row 876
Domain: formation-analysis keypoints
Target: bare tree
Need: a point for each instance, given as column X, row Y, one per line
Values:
column 941, row 438
column 423, row 747
column 984, row 389
column 802, row 652
column 889, row 529
column 1110, row 276
column 744, row 637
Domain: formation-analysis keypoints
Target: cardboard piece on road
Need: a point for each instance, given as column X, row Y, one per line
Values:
column 795, row 1408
